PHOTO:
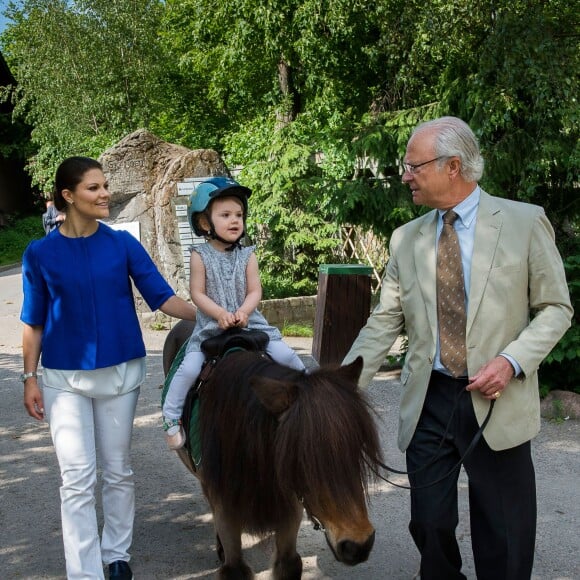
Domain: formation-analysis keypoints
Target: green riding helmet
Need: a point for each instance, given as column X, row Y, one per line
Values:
column 210, row 189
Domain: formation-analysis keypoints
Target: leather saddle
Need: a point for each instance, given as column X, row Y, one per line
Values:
column 234, row 339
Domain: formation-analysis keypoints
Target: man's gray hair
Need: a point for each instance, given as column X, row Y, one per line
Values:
column 454, row 138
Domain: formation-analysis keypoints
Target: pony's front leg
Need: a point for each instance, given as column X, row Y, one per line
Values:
column 287, row 561
column 229, row 535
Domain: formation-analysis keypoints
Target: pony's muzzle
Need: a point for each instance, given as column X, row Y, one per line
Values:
column 352, row 553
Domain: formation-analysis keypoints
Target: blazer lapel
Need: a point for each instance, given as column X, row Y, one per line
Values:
column 487, row 230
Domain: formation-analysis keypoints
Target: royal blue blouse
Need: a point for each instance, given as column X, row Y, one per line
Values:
column 79, row 290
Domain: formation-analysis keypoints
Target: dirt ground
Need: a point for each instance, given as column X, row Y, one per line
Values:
column 174, row 536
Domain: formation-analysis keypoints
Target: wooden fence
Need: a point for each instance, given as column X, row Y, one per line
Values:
column 366, row 248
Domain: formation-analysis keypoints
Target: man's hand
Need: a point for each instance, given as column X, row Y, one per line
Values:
column 492, row 378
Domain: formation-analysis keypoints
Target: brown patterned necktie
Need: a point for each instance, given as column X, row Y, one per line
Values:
column 451, row 299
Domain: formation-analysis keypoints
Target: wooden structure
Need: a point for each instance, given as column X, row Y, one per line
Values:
column 343, row 305
column 367, row 248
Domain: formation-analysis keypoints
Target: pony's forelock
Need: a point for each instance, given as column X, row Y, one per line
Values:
column 330, row 430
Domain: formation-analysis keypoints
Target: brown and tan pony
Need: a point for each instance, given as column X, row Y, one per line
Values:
column 275, row 441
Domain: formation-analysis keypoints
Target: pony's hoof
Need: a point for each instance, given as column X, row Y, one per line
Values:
column 288, row 569
column 240, row 572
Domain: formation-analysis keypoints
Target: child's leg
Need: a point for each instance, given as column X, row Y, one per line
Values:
column 182, row 380
column 284, row 355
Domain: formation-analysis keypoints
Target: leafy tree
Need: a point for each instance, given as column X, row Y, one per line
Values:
column 314, row 99
column 15, row 142
column 560, row 370
column 510, row 69
column 282, row 56
column 290, row 217
column 87, row 73
column 283, row 85
column 523, row 102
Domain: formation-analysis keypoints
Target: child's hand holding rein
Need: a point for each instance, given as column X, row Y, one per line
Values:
column 226, row 320
column 241, row 318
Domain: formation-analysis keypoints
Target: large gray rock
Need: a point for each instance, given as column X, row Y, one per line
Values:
column 561, row 405
column 143, row 173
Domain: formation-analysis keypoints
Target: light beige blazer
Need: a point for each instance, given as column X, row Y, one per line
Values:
column 518, row 304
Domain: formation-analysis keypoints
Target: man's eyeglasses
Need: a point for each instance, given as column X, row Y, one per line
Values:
column 412, row 167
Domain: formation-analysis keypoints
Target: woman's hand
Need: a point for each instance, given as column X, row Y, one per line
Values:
column 31, row 344
column 33, row 399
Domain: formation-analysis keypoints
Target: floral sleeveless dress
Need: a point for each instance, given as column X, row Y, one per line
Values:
column 225, row 284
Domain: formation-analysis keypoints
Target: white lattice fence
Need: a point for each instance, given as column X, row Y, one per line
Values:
column 367, row 248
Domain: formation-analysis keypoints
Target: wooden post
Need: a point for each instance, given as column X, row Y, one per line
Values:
column 343, row 305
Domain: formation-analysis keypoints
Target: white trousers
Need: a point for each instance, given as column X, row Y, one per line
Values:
column 83, row 431
column 190, row 368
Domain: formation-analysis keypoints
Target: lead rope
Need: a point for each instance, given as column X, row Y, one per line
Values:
column 469, row 449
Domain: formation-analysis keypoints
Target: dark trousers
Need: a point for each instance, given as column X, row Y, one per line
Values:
column 502, row 492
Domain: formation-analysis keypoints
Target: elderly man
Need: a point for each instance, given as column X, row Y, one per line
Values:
column 479, row 287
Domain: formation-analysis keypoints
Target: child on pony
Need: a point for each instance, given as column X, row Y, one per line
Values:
column 225, row 286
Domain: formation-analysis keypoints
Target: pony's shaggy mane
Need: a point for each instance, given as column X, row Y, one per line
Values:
column 255, row 463
column 328, row 442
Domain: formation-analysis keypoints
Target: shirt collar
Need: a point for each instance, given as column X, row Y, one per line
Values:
column 467, row 209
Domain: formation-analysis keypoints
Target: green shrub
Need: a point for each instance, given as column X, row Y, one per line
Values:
column 297, row 329
column 16, row 235
column 561, row 368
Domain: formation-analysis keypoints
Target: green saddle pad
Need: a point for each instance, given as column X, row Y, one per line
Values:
column 194, row 442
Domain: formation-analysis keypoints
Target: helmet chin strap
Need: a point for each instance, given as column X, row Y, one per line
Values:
column 236, row 244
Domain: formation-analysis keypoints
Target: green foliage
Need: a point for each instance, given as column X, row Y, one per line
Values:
column 561, row 369
column 523, row 102
column 294, row 329
column 314, row 99
column 16, row 235
column 289, row 215
column 86, row 71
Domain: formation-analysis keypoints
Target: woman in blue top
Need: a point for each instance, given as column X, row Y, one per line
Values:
column 79, row 313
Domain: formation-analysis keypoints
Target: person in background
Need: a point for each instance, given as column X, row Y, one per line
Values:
column 51, row 218
column 225, row 287
column 476, row 339
column 79, row 314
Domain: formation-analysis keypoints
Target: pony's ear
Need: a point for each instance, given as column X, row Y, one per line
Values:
column 276, row 396
column 353, row 370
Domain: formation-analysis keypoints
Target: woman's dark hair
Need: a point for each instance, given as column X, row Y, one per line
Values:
column 69, row 174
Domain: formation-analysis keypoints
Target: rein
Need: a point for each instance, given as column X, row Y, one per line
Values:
column 469, row 449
